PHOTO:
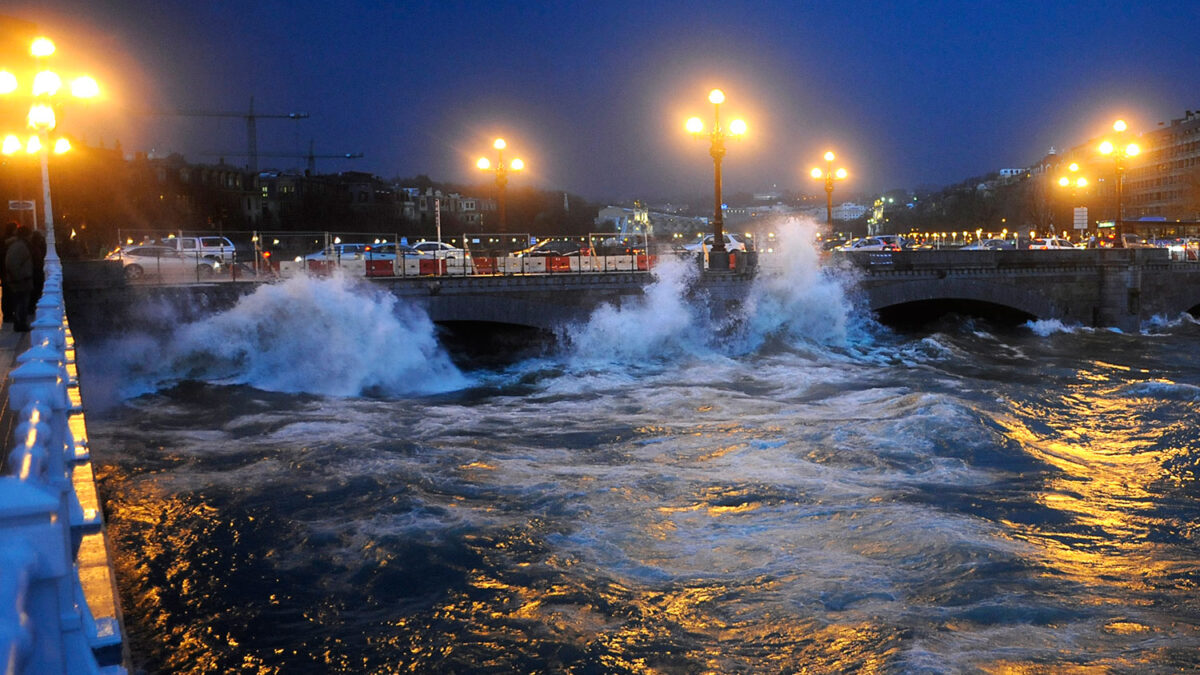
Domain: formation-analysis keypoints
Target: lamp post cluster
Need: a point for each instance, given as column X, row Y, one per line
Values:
column 718, row 257
column 1119, row 151
column 502, row 170
column 45, row 90
column 829, row 175
column 1075, row 182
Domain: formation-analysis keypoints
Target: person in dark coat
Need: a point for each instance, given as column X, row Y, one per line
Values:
column 37, row 246
column 18, row 278
column 7, row 231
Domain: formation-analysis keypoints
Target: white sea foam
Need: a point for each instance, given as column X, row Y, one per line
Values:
column 1159, row 322
column 1163, row 390
column 1048, row 327
column 318, row 336
column 659, row 324
column 800, row 301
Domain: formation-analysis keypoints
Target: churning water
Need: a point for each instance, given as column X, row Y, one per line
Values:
column 307, row 483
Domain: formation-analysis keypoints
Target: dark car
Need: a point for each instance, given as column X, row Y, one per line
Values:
column 554, row 247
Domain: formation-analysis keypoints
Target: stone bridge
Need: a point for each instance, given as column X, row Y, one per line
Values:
column 1102, row 287
column 1118, row 288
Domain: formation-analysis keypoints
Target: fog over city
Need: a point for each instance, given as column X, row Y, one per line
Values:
column 594, row 97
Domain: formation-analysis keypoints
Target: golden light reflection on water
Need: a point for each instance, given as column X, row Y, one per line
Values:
column 640, row 630
column 1107, row 483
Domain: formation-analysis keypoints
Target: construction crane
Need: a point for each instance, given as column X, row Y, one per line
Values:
column 251, row 118
column 311, row 156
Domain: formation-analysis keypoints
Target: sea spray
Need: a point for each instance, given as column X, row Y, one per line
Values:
column 660, row 324
column 329, row 337
column 800, row 301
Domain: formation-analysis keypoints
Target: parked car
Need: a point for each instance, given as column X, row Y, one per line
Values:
column 869, row 244
column 990, row 245
column 390, row 250
column 340, row 252
column 732, row 243
column 1136, row 241
column 1049, row 243
column 554, row 247
column 439, row 249
column 161, row 261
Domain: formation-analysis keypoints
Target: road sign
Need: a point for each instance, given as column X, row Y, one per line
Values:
column 20, row 205
column 1081, row 220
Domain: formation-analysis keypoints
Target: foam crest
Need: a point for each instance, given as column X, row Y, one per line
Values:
column 660, row 324
column 1048, row 327
column 800, row 301
column 316, row 336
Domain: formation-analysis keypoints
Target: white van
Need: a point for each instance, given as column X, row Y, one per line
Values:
column 216, row 249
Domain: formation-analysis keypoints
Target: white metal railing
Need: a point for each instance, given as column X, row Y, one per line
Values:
column 46, row 625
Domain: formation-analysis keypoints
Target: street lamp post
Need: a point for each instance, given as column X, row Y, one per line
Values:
column 1075, row 183
column 1119, row 153
column 501, row 176
column 44, row 90
column 718, row 257
column 829, row 175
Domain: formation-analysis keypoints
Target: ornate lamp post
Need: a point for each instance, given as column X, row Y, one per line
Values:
column 718, row 257
column 501, row 176
column 1119, row 153
column 829, row 175
column 44, row 89
column 1075, row 183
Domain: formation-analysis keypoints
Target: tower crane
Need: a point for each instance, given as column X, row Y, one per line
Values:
column 251, row 118
column 311, row 156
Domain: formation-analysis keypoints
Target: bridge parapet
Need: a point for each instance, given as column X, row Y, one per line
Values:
column 1095, row 287
column 875, row 262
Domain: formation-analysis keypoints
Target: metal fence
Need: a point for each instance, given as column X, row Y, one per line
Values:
column 178, row 257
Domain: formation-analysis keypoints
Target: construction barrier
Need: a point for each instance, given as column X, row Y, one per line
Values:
column 481, row 266
column 381, row 268
column 484, row 265
column 431, row 267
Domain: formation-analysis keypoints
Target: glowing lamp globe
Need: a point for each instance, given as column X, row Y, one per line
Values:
column 737, row 127
column 46, row 83
column 517, row 165
column 41, row 47
column 716, row 97
column 41, row 117
column 694, row 125
column 84, row 87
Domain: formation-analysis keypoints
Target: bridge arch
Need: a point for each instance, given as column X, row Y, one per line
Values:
column 956, row 293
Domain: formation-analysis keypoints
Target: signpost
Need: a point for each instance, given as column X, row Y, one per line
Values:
column 25, row 205
column 1081, row 218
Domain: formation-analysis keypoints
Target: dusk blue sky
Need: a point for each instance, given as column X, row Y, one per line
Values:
column 594, row 95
